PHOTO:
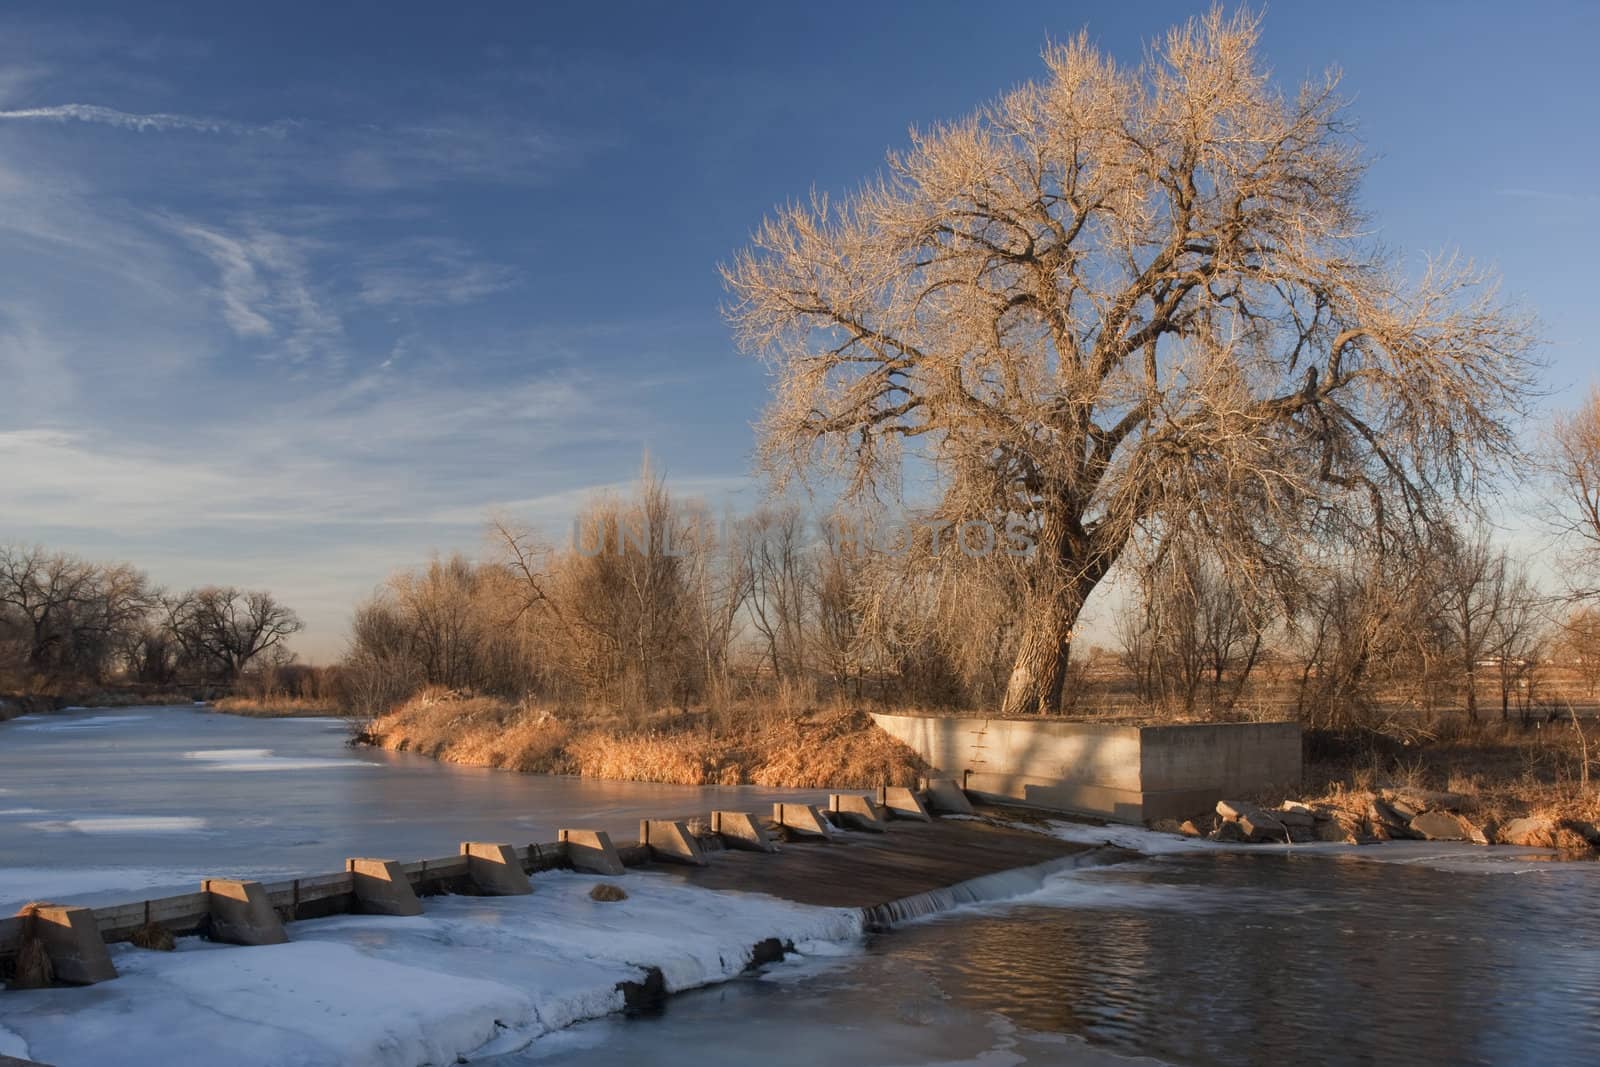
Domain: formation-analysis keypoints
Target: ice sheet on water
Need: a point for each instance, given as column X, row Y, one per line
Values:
column 381, row 990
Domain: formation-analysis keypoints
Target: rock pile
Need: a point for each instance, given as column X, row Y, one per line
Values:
column 1389, row 815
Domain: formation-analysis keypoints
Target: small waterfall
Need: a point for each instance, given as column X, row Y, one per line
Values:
column 1001, row 885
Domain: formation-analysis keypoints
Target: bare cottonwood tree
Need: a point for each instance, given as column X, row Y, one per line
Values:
column 839, row 579
column 1365, row 614
column 1578, row 646
column 1576, row 461
column 72, row 617
column 222, row 628
column 1472, row 581
column 1130, row 298
column 43, row 591
column 1520, row 638
column 774, row 541
column 1190, row 629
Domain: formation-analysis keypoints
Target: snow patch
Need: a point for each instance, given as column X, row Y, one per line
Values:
column 471, row 975
column 1138, row 839
column 263, row 759
column 123, row 824
column 11, row 1044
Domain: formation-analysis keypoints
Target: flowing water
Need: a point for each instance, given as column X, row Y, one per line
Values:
column 1443, row 954
column 1196, row 958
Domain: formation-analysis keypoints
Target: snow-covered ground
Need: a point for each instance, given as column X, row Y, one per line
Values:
column 472, row 976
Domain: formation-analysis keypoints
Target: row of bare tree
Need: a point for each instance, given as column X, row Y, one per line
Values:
column 68, row 621
column 1431, row 629
column 656, row 602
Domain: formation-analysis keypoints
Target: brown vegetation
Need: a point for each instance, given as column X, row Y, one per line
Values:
column 153, row 936
column 810, row 749
column 31, row 968
column 1501, row 771
column 277, row 707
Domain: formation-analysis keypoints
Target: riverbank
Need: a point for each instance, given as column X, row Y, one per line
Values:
column 278, row 707
column 836, row 748
column 15, row 705
column 1488, row 784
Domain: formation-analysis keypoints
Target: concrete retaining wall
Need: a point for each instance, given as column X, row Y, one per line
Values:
column 1126, row 773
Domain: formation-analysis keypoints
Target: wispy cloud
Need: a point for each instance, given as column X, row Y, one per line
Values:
column 429, row 271
column 157, row 122
column 1555, row 196
column 267, row 290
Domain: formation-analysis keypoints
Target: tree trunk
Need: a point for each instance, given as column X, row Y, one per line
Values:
column 1041, row 664
column 1072, row 563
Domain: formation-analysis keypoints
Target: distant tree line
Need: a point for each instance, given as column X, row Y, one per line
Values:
column 66, row 621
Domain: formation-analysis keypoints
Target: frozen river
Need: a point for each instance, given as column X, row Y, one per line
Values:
column 112, row 804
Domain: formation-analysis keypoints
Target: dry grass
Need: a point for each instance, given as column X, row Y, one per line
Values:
column 1503, row 771
column 31, row 969
column 810, row 749
column 276, row 707
column 153, row 936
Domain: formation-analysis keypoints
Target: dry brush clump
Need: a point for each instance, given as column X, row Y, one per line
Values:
column 270, row 706
column 476, row 731
column 154, row 937
column 840, row 748
column 31, row 968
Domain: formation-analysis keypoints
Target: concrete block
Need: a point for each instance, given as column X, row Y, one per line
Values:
column 902, row 803
column 857, row 812
column 802, row 819
column 946, row 796
column 669, row 840
column 1123, row 772
column 591, row 851
column 71, row 938
column 382, row 888
column 740, row 829
column 241, row 914
column 495, row 869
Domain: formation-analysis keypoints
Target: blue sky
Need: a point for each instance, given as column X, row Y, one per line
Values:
column 292, row 295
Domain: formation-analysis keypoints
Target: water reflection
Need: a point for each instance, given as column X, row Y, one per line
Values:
column 1198, row 959
column 1239, row 958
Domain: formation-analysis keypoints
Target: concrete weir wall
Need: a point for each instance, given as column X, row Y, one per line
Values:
column 1127, row 773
